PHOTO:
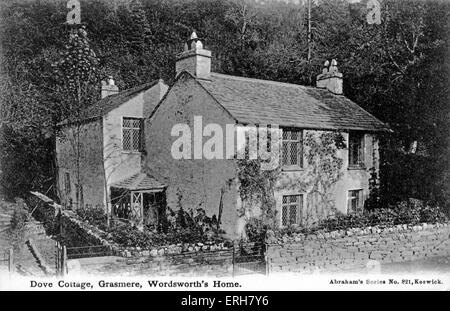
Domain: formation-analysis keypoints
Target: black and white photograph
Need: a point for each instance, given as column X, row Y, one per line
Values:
column 211, row 145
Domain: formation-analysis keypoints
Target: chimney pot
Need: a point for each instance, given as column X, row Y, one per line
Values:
column 194, row 59
column 330, row 78
column 109, row 87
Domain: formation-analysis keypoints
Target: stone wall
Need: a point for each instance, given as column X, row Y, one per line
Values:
column 76, row 233
column 217, row 263
column 186, row 259
column 342, row 250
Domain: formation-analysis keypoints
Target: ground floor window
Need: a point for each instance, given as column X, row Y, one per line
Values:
column 291, row 209
column 355, row 201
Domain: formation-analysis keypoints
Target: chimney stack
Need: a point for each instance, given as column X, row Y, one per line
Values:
column 194, row 59
column 109, row 87
column 330, row 78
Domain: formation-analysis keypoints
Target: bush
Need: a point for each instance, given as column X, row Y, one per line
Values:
column 182, row 227
column 130, row 236
column 256, row 230
column 95, row 216
column 410, row 212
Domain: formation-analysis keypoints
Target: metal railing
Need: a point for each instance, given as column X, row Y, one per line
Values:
column 249, row 258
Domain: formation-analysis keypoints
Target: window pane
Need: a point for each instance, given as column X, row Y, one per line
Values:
column 354, row 200
column 292, row 147
column 126, row 122
column 356, row 149
column 293, row 214
column 293, row 198
column 293, row 154
column 284, row 216
column 291, row 209
column 127, row 139
column 284, row 154
column 132, row 134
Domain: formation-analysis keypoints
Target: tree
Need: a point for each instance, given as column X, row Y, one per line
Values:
column 77, row 70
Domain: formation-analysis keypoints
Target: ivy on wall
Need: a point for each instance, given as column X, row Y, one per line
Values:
column 323, row 170
column 256, row 188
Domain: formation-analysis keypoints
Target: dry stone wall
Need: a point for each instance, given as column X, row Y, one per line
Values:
column 343, row 250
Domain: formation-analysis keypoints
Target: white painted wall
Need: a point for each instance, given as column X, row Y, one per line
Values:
column 120, row 164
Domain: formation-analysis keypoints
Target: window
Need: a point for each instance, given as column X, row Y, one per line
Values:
column 355, row 149
column 355, row 201
column 67, row 183
column 291, row 209
column 292, row 150
column 132, row 132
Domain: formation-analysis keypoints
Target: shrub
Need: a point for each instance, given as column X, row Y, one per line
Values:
column 410, row 212
column 256, row 230
column 95, row 216
column 130, row 236
column 183, row 227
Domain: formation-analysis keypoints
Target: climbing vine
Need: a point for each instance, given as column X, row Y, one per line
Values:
column 323, row 171
column 257, row 189
column 317, row 179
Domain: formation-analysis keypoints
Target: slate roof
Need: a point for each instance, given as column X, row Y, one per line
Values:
column 139, row 181
column 109, row 103
column 252, row 101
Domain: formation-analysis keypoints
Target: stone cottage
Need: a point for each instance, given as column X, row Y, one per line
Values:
column 127, row 160
column 100, row 154
column 230, row 100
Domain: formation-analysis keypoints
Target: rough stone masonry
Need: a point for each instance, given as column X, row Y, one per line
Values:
column 338, row 251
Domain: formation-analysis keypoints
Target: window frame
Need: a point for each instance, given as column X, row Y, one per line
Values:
column 300, row 149
column 141, row 134
column 361, row 152
column 299, row 210
column 359, row 197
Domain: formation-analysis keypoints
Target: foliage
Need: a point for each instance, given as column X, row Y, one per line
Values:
column 95, row 216
column 182, row 227
column 255, row 230
column 198, row 224
column 399, row 70
column 256, row 188
column 323, row 170
column 20, row 216
column 411, row 212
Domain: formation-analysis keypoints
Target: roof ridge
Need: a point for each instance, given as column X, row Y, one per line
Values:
column 231, row 77
column 127, row 93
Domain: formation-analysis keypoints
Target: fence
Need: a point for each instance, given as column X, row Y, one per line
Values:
column 8, row 257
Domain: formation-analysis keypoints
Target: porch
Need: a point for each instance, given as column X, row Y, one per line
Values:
column 139, row 200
